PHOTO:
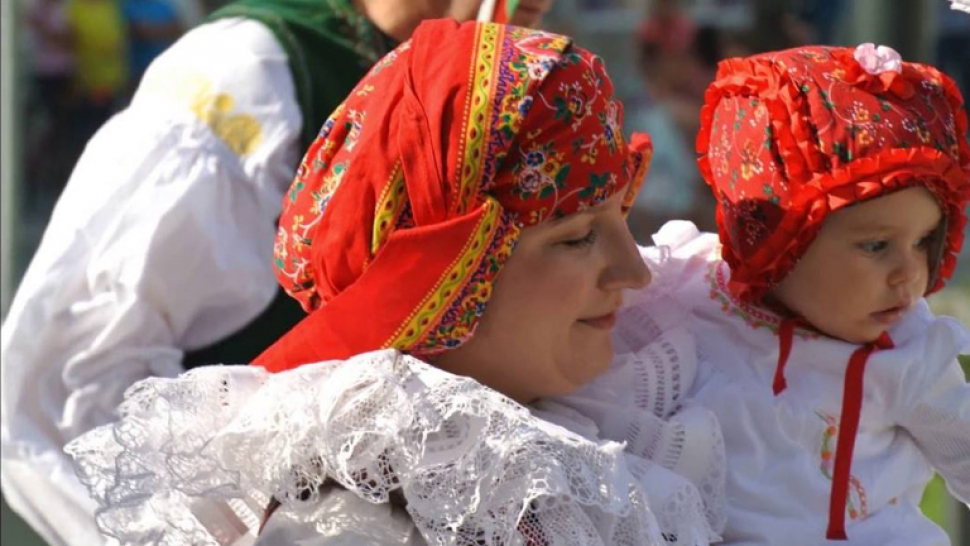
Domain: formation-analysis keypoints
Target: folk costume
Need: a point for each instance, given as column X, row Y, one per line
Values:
column 825, row 439
column 173, row 196
column 400, row 219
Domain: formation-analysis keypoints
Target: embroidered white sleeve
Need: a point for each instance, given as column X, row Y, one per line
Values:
column 158, row 213
column 939, row 420
column 941, row 427
column 474, row 466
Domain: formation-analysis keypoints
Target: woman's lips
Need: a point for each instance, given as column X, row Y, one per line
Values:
column 605, row 322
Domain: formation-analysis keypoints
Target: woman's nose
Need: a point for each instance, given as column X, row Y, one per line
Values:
column 626, row 269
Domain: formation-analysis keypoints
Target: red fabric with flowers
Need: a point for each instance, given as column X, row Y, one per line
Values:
column 789, row 136
column 410, row 201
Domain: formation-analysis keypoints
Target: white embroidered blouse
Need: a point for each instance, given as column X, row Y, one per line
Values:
column 210, row 137
column 915, row 415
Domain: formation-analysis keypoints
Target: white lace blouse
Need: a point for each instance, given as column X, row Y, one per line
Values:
column 194, row 459
column 915, row 414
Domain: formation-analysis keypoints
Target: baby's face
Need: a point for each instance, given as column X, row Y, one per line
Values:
column 867, row 266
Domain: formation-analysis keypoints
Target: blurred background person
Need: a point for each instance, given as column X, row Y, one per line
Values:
column 52, row 63
column 667, row 110
column 101, row 78
column 952, row 47
column 153, row 25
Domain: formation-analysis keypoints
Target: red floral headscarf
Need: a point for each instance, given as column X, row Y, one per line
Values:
column 790, row 136
column 406, row 207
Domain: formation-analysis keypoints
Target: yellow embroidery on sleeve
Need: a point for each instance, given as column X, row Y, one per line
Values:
column 241, row 132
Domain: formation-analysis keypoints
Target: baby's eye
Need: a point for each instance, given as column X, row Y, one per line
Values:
column 926, row 241
column 873, row 247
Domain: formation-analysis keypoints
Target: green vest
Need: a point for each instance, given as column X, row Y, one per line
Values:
column 329, row 47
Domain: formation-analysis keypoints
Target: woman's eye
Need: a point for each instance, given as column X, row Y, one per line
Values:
column 583, row 241
column 874, row 247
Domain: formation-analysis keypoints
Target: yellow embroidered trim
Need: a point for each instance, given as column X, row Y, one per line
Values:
column 475, row 124
column 389, row 206
column 449, row 284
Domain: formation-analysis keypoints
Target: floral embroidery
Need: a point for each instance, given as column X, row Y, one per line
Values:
column 328, row 125
column 279, row 248
column 611, row 126
column 457, row 324
column 750, row 163
column 526, row 105
column 355, row 123
column 573, row 105
column 387, row 60
column 601, row 185
column 542, row 172
column 754, row 316
column 857, row 505
column 241, row 132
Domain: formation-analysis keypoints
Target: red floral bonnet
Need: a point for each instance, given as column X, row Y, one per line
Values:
column 790, row 136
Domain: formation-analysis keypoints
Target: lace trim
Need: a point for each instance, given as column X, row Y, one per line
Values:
column 753, row 315
column 475, row 467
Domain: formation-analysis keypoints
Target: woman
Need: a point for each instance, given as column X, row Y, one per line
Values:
column 457, row 235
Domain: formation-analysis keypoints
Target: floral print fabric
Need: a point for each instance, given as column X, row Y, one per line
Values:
column 789, row 136
column 409, row 202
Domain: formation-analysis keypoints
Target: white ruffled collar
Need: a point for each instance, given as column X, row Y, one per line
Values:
column 474, row 466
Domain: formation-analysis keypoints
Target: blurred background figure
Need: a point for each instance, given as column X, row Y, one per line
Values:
column 674, row 74
column 153, row 25
column 821, row 18
column 101, row 77
column 51, row 50
column 952, row 51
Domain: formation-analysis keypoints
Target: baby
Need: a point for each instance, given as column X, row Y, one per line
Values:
column 842, row 178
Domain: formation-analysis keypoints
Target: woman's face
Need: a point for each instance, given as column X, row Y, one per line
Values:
column 547, row 327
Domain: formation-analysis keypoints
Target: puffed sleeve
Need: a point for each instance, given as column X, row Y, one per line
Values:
column 937, row 402
column 162, row 242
